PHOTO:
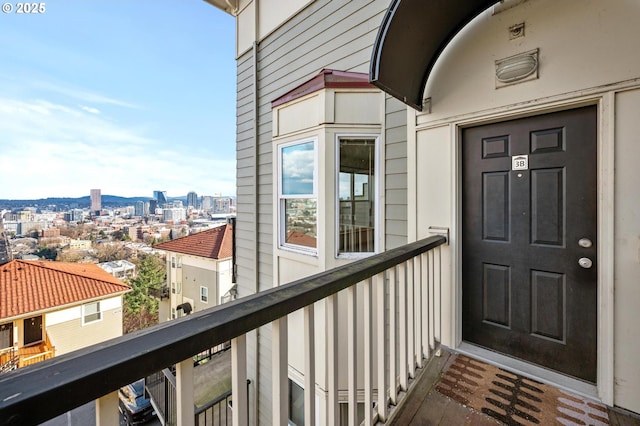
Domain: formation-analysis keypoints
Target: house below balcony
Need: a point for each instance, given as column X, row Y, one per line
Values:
column 52, row 308
column 199, row 272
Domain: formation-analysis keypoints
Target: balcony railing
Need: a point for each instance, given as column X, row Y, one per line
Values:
column 14, row 357
column 409, row 327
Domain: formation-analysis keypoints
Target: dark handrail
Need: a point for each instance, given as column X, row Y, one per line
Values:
column 47, row 389
column 210, row 404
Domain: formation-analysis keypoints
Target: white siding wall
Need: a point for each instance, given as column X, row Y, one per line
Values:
column 326, row 34
column 627, row 249
column 588, row 54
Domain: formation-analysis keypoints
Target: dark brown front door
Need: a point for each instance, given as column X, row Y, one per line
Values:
column 32, row 330
column 529, row 233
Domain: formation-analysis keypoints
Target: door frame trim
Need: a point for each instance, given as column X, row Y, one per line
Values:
column 605, row 104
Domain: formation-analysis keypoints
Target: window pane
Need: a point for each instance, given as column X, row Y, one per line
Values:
column 300, row 222
column 356, row 195
column 296, row 404
column 298, row 163
column 92, row 312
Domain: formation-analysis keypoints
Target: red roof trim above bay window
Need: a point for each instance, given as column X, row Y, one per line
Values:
column 324, row 80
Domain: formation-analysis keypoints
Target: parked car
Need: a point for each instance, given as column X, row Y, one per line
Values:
column 136, row 409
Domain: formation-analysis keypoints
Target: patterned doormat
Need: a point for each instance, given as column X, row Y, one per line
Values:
column 513, row 399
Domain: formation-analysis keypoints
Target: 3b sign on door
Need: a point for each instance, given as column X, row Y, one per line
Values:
column 520, row 162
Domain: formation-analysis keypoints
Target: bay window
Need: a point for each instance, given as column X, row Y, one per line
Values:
column 357, row 193
column 297, row 188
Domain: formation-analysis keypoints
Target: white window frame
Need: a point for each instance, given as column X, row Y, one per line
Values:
column 204, row 295
column 377, row 206
column 282, row 197
column 84, row 313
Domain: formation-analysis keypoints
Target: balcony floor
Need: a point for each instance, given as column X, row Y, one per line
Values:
column 457, row 390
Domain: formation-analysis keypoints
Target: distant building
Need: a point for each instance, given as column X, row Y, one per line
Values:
column 175, row 215
column 50, row 233
column 153, row 205
column 207, row 203
column 79, row 244
column 10, row 227
column 25, row 227
column 96, row 200
column 121, row 269
column 74, row 215
column 192, row 200
column 141, row 208
column 131, row 231
column 223, row 205
column 161, row 197
column 126, row 211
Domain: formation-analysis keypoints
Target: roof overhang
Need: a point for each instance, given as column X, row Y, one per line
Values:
column 228, row 6
column 410, row 39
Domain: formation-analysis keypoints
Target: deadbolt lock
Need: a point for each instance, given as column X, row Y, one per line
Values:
column 585, row 262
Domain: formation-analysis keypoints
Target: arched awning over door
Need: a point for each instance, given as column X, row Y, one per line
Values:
column 411, row 37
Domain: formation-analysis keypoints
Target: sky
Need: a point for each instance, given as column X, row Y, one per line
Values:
column 126, row 96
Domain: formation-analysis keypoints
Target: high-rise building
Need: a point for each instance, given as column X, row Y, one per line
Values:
column 175, row 215
column 192, row 200
column 161, row 196
column 141, row 208
column 207, row 203
column 96, row 200
column 74, row 215
column 153, row 205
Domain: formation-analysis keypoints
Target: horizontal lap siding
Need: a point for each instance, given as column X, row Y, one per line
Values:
column 396, row 174
column 326, row 34
column 245, row 228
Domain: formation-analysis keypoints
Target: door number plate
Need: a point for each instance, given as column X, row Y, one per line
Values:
column 520, row 162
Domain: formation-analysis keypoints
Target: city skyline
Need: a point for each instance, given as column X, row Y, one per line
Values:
column 131, row 96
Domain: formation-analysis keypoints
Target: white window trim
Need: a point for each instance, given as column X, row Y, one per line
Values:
column 378, row 184
column 84, row 314
column 281, row 199
column 207, row 295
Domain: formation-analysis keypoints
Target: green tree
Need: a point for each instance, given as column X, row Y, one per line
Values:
column 140, row 307
column 48, row 253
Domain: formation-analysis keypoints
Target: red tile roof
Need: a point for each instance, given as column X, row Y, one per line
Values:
column 215, row 243
column 32, row 285
column 301, row 239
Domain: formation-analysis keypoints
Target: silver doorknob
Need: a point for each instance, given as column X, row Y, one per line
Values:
column 585, row 262
column 585, row 242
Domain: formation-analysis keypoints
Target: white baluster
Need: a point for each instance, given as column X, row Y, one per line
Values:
column 332, row 360
column 380, row 286
column 309, row 367
column 239, row 381
column 393, row 340
column 352, row 371
column 368, row 352
column 279, row 364
column 402, row 326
